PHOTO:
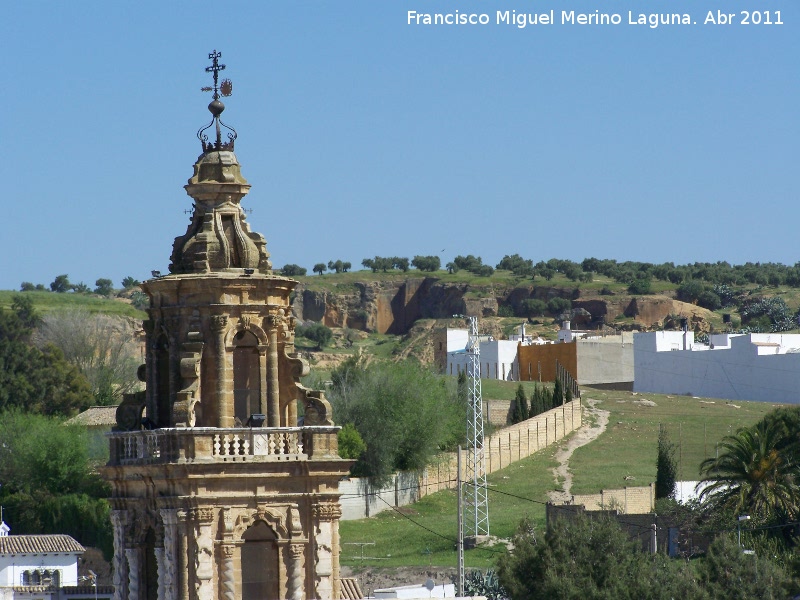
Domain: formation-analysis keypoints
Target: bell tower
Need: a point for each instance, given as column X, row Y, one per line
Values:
column 219, row 490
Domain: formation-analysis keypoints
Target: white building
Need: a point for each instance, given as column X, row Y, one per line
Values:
column 498, row 358
column 757, row 366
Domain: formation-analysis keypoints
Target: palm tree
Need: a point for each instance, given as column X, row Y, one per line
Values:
column 753, row 474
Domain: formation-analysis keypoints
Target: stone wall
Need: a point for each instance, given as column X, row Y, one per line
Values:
column 628, row 500
column 502, row 449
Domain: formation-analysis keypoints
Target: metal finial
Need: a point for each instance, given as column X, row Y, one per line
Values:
column 221, row 88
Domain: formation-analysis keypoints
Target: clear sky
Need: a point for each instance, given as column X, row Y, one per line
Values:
column 363, row 135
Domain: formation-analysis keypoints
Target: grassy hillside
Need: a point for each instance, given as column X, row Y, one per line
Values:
column 49, row 301
column 626, row 449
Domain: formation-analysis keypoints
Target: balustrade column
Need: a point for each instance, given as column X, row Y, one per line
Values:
column 273, row 401
column 219, row 324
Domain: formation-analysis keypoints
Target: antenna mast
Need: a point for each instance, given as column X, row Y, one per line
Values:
column 475, row 502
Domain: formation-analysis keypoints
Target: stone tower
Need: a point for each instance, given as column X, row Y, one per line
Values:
column 219, row 491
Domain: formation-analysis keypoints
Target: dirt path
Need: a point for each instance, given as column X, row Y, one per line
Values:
column 583, row 436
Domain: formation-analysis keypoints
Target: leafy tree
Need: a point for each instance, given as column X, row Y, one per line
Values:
column 557, row 306
column 26, row 286
column 404, row 413
column 640, row 286
column 519, row 407
column 80, row 288
column 101, row 346
column 48, row 485
column 104, row 287
column 60, row 284
column 468, row 263
column 316, row 332
column 346, row 266
column 666, row 469
column 369, row 263
column 320, row 268
column 519, row 266
column 558, row 393
column 727, row 573
column 753, row 476
column 401, row 263
column 350, row 443
column 293, row 270
column 590, row 559
column 452, row 267
column 690, row 291
column 33, row 379
column 335, row 266
column 129, row 283
column 426, row 263
column 533, row 307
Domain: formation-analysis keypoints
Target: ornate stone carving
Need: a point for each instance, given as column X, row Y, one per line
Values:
column 227, row 575
column 327, row 512
column 317, row 408
column 132, row 555
column 296, row 591
column 120, row 563
column 246, row 321
column 169, row 517
column 202, row 514
column 273, row 320
column 130, row 411
column 219, row 323
column 183, row 410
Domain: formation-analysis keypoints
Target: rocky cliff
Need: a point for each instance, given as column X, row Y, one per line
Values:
column 394, row 306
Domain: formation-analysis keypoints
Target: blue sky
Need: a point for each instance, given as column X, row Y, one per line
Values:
column 362, row 135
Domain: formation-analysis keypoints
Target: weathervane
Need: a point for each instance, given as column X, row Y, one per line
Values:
column 224, row 88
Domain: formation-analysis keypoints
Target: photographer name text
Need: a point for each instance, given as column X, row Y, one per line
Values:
column 521, row 20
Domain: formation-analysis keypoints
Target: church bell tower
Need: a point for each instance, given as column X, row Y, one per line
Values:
column 219, row 490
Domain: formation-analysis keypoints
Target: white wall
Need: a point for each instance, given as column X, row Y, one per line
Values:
column 498, row 360
column 761, row 367
column 11, row 567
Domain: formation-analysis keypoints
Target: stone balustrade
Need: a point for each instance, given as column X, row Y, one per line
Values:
column 211, row 444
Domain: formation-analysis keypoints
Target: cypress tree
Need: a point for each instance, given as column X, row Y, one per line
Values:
column 558, row 393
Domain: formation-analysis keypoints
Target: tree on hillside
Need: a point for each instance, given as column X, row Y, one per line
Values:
column 317, row 333
column 292, row 270
column 26, row 286
column 130, row 283
column 102, row 347
column 666, row 468
column 533, row 307
column 80, row 288
column 33, row 379
column 557, row 306
column 61, row 284
column 104, row 287
column 335, row 266
column 519, row 266
column 401, row 263
column 368, row 263
column 404, row 413
column 346, row 266
column 426, row 263
column 320, row 268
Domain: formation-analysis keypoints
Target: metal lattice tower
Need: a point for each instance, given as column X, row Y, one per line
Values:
column 475, row 502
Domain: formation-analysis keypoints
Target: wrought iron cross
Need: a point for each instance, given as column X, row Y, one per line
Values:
column 226, row 86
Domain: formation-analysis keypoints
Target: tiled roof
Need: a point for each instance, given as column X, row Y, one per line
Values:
column 96, row 416
column 350, row 589
column 38, row 544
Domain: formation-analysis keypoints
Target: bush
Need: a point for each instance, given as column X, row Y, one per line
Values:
column 639, row 286
column 293, row 270
column 556, row 306
column 532, row 307
column 351, row 445
column 316, row 332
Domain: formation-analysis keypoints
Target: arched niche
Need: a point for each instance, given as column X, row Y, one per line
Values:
column 259, row 558
column 246, row 376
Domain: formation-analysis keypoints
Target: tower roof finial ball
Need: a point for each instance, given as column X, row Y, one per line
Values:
column 216, row 107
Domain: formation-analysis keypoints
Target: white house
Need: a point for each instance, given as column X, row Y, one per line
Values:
column 757, row 366
column 498, row 358
column 41, row 567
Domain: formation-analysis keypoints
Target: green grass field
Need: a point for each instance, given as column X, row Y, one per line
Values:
column 627, row 448
column 46, row 302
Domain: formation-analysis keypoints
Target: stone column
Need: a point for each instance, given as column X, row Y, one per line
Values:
column 203, row 553
column 166, row 578
column 273, row 401
column 182, row 579
column 219, row 324
column 227, row 576
column 296, row 587
column 326, row 549
column 119, row 520
column 263, row 403
column 132, row 554
column 161, row 570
